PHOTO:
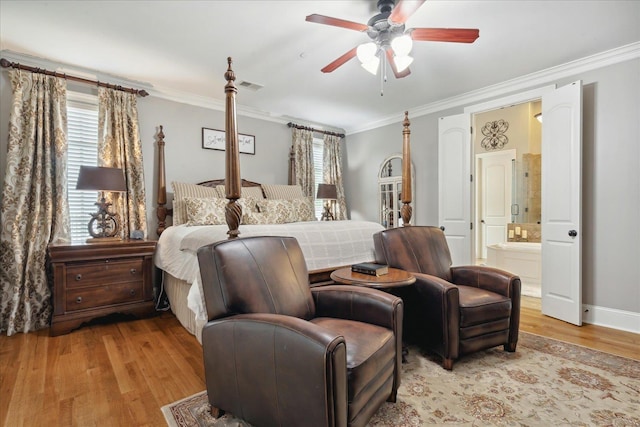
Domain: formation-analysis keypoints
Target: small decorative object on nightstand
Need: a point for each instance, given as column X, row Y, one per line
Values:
column 329, row 193
column 97, row 279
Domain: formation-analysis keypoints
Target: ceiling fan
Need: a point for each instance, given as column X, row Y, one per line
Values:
column 390, row 42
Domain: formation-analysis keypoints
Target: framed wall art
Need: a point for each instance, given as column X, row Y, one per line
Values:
column 214, row 139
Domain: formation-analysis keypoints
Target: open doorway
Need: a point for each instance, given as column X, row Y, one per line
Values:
column 506, row 146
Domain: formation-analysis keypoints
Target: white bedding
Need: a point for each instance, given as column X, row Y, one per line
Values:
column 324, row 244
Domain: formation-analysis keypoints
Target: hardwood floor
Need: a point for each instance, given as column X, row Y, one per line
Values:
column 120, row 374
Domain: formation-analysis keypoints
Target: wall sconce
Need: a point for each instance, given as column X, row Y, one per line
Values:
column 329, row 193
column 103, row 224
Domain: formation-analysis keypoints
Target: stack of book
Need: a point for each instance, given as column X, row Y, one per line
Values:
column 370, row 268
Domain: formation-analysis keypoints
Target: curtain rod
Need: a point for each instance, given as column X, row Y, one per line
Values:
column 326, row 132
column 6, row 64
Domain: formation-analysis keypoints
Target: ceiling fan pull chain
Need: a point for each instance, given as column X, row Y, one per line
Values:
column 383, row 72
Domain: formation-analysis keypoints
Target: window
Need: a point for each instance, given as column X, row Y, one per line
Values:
column 318, row 169
column 82, row 136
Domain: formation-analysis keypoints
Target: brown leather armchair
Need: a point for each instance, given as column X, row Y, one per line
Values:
column 450, row 310
column 279, row 353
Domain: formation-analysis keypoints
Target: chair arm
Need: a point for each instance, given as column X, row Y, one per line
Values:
column 254, row 363
column 492, row 279
column 440, row 303
column 359, row 303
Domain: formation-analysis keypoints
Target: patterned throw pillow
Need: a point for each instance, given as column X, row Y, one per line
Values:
column 286, row 192
column 278, row 211
column 304, row 209
column 182, row 190
column 204, row 211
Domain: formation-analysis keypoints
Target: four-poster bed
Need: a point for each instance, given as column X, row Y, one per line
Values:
column 327, row 245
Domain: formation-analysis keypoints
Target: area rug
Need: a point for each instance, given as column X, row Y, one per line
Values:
column 545, row 382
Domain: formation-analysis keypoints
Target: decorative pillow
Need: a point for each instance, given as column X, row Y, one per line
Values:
column 182, row 190
column 248, row 192
column 204, row 211
column 286, row 192
column 304, row 208
column 278, row 211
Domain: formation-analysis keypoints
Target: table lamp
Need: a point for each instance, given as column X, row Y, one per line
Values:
column 329, row 193
column 103, row 225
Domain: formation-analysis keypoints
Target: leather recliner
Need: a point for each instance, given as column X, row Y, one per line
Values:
column 279, row 353
column 450, row 310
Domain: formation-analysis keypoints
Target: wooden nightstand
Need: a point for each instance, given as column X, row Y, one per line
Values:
column 91, row 280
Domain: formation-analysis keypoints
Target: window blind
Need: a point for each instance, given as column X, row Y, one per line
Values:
column 318, row 168
column 82, row 139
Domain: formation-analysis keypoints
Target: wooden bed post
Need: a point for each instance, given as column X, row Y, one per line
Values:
column 406, row 209
column 233, row 211
column 161, row 210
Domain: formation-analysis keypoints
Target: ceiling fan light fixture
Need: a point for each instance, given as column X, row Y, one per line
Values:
column 366, row 52
column 402, row 45
column 402, row 62
column 372, row 65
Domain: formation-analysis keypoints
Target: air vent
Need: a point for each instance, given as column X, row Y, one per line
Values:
column 249, row 85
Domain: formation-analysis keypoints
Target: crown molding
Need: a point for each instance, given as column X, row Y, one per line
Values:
column 526, row 82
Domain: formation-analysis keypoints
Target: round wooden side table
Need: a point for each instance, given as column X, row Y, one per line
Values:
column 395, row 278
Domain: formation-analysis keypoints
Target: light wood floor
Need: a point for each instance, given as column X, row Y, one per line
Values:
column 120, row 374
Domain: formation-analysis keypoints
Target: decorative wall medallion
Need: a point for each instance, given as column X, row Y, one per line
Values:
column 494, row 133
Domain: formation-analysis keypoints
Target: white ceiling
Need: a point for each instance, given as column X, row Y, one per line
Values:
column 179, row 48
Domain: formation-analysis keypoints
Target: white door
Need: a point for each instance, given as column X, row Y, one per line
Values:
column 454, row 185
column 561, row 203
column 494, row 178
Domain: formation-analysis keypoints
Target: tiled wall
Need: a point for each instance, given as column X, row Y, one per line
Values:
column 523, row 232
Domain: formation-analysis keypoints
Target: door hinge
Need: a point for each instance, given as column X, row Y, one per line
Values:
column 471, row 176
column 471, row 130
column 471, row 226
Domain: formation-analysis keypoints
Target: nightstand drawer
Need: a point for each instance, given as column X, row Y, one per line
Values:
column 99, row 296
column 108, row 271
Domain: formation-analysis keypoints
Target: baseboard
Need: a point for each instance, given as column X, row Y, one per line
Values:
column 611, row 318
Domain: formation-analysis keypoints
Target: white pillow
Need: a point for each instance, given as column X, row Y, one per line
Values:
column 252, row 192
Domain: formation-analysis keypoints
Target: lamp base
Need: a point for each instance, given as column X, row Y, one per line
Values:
column 327, row 215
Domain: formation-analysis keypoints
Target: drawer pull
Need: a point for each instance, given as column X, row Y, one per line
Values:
column 132, row 292
column 134, row 271
column 78, row 277
column 79, row 300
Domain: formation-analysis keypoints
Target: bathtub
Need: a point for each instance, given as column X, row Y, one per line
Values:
column 521, row 258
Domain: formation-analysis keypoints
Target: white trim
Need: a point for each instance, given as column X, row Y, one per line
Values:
column 543, row 77
column 611, row 318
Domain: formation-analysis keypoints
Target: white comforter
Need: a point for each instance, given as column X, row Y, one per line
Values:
column 324, row 244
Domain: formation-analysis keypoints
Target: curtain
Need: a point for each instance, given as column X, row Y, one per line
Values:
column 119, row 146
column 303, row 157
column 332, row 174
column 34, row 209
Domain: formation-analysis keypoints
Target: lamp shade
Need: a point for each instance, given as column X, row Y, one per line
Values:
column 100, row 178
column 327, row 191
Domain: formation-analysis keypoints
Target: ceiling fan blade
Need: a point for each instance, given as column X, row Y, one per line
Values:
column 458, row 35
column 392, row 64
column 338, row 62
column 327, row 20
column 404, row 9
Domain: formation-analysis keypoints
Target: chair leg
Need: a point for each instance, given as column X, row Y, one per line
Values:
column 510, row 347
column 447, row 364
column 392, row 397
column 216, row 412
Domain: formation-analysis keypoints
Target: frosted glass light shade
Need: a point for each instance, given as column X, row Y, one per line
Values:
column 366, row 52
column 372, row 65
column 402, row 45
column 402, row 62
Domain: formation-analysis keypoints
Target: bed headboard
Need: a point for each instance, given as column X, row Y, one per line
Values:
column 232, row 180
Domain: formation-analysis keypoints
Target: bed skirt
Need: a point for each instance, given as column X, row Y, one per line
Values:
column 177, row 291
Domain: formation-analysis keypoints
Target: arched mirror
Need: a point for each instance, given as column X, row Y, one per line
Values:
column 390, row 191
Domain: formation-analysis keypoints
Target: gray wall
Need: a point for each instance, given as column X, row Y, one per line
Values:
column 611, row 179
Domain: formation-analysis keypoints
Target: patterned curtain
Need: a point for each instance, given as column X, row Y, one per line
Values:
column 34, row 209
column 303, row 156
column 332, row 174
column 119, row 146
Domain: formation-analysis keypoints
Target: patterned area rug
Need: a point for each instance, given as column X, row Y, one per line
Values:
column 545, row 382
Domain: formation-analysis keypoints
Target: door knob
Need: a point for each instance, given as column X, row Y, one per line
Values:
column 442, row 227
column 573, row 233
